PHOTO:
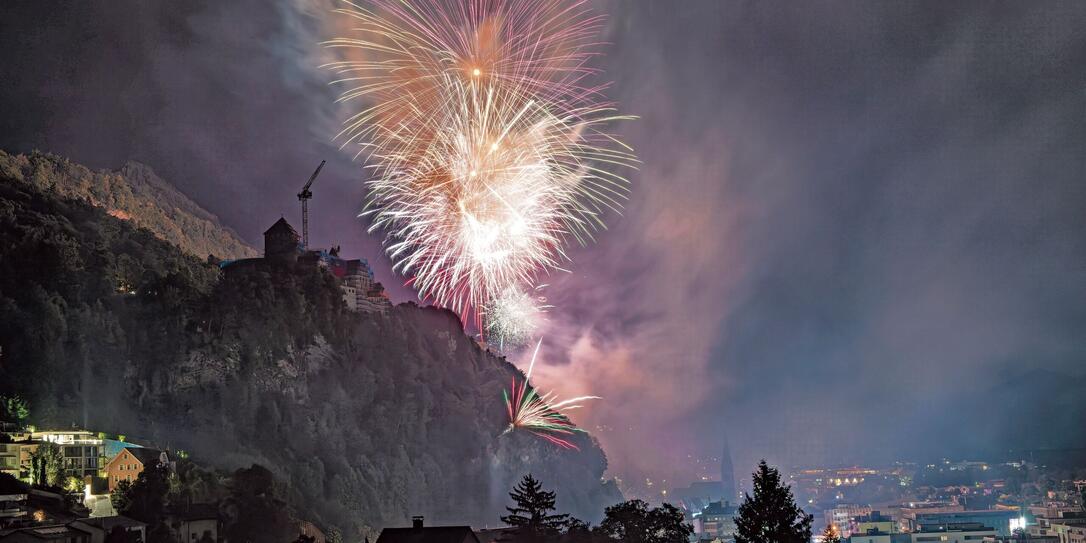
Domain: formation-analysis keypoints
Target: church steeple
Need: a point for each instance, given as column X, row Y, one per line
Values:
column 727, row 472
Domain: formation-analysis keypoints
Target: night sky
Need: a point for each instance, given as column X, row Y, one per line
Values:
column 858, row 232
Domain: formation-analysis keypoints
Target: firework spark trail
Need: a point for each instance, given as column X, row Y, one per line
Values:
column 513, row 316
column 487, row 147
column 541, row 414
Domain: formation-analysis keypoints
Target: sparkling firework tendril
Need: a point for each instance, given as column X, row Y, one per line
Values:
column 541, row 414
column 487, row 147
column 512, row 317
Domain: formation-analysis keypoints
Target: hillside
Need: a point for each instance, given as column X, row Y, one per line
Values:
column 132, row 193
column 367, row 419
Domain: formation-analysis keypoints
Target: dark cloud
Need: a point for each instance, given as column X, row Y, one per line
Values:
column 857, row 232
column 224, row 99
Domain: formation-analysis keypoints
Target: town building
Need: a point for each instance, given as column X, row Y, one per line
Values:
column 1022, row 538
column 999, row 519
column 874, row 521
column 13, row 494
column 875, row 536
column 966, row 532
column 1069, row 532
column 194, row 523
column 82, row 450
column 697, row 496
column 909, row 511
column 843, row 517
column 52, row 533
column 418, row 533
column 99, row 528
column 130, row 462
column 1067, row 527
column 9, row 457
column 716, row 522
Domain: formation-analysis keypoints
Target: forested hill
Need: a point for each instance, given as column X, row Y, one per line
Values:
column 132, row 193
column 368, row 419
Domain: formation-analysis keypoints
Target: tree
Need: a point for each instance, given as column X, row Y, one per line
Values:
column 771, row 514
column 73, row 484
column 831, row 535
column 48, row 462
column 118, row 497
column 13, row 409
column 633, row 522
column 147, row 495
column 255, row 513
column 531, row 515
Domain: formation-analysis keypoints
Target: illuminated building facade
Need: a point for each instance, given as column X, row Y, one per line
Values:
column 999, row 519
column 82, row 450
column 844, row 516
column 716, row 522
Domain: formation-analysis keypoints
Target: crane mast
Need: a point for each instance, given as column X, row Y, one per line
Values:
column 304, row 197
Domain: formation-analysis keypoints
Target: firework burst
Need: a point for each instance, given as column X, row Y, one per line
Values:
column 487, row 147
column 513, row 317
column 541, row 414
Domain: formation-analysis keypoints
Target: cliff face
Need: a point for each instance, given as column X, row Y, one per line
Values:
column 368, row 418
column 132, row 193
column 406, row 419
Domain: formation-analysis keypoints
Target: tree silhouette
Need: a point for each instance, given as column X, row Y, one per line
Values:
column 831, row 535
column 531, row 515
column 633, row 522
column 771, row 514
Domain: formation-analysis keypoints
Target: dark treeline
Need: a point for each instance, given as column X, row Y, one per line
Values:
column 770, row 514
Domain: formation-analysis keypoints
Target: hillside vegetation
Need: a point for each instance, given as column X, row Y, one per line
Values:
column 367, row 419
column 133, row 193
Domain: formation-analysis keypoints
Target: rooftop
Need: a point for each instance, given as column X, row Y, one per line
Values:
column 435, row 534
column 107, row 523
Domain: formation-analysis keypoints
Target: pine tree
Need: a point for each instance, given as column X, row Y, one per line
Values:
column 771, row 515
column 831, row 535
column 531, row 515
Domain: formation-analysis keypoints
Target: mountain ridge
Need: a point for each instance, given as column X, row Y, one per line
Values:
column 134, row 193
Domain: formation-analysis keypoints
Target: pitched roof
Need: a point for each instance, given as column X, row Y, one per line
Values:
column 9, row 486
column 281, row 225
column 145, row 456
column 435, row 534
column 107, row 523
column 719, row 508
column 194, row 511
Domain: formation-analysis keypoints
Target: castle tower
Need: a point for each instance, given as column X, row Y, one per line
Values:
column 281, row 242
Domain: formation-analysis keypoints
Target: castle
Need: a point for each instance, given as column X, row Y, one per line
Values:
column 283, row 246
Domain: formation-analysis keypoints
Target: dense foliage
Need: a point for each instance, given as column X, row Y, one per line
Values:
column 249, row 500
column 532, row 521
column 635, row 522
column 771, row 514
column 367, row 419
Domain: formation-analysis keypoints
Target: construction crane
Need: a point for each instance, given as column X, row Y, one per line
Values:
column 304, row 197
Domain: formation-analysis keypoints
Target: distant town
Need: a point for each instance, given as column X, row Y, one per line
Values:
column 68, row 484
column 949, row 501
